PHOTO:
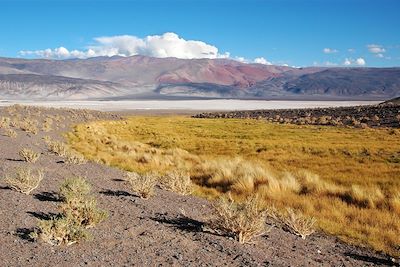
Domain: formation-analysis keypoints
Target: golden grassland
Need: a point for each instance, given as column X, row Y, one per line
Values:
column 346, row 178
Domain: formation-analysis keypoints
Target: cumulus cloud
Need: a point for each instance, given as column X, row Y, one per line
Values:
column 261, row 60
column 166, row 45
column 347, row 62
column 376, row 49
column 358, row 62
column 329, row 50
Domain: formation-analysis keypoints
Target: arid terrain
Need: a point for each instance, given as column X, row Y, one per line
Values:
column 147, row 77
column 383, row 115
column 166, row 229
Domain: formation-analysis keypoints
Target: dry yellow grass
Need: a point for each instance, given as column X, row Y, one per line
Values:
column 346, row 178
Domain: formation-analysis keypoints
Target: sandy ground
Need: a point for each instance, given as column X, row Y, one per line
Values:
column 141, row 232
column 195, row 105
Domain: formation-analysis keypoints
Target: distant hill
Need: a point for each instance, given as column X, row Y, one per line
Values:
column 105, row 77
column 393, row 101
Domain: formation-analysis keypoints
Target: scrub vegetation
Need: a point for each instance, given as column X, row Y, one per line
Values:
column 344, row 180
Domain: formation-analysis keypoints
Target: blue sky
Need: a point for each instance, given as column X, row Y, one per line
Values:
column 293, row 32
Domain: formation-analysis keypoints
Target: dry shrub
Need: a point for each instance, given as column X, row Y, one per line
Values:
column 58, row 231
column 10, row 133
column 29, row 155
column 78, row 212
column 30, row 126
column 244, row 221
column 84, row 211
column 78, row 203
column 295, row 222
column 5, row 122
column 74, row 189
column 58, row 148
column 25, row 180
column 74, row 158
column 178, row 181
column 47, row 124
column 142, row 184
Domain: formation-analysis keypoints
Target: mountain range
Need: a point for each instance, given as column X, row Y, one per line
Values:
column 141, row 77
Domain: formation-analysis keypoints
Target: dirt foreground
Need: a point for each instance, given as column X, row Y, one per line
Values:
column 139, row 232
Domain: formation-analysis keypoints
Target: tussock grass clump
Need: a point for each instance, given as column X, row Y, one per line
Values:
column 74, row 158
column 5, row 122
column 142, row 184
column 244, row 221
column 78, row 212
column 24, row 180
column 178, row 181
column 295, row 222
column 29, row 155
column 47, row 124
column 10, row 133
column 58, row 148
column 29, row 126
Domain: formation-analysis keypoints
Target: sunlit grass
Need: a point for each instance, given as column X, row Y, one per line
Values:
column 351, row 184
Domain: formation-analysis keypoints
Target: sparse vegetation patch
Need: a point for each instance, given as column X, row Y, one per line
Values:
column 25, row 180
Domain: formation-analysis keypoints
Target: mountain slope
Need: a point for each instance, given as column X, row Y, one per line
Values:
column 104, row 77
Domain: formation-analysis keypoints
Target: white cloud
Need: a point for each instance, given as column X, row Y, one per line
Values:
column 376, row 49
column 380, row 55
column 166, row 45
column 330, row 64
column 347, row 62
column 261, row 60
column 329, row 50
column 359, row 62
column 241, row 59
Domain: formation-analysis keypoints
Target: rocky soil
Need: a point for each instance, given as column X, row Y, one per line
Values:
column 138, row 232
column 385, row 115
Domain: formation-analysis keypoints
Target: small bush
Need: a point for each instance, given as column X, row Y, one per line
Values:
column 4, row 122
column 79, row 204
column 296, row 223
column 178, row 181
column 84, row 212
column 59, row 230
column 58, row 148
column 29, row 155
column 10, row 133
column 78, row 212
column 29, row 126
column 74, row 189
column 47, row 125
column 143, row 185
column 244, row 221
column 24, row 180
